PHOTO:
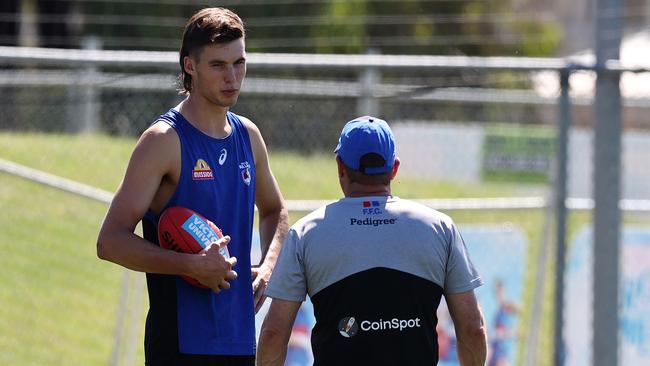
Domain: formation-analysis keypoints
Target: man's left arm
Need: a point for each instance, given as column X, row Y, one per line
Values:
column 273, row 215
column 469, row 324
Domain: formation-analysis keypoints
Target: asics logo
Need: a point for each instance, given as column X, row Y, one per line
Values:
column 223, row 156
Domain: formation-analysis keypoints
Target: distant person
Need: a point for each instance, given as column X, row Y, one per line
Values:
column 201, row 156
column 375, row 268
column 446, row 336
column 502, row 328
column 299, row 347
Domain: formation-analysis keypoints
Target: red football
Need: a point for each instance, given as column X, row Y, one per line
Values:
column 186, row 231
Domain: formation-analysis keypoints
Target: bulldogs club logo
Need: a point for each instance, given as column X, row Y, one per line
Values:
column 245, row 170
column 348, row 327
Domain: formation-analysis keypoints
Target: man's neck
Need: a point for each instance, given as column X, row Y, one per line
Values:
column 361, row 190
column 206, row 117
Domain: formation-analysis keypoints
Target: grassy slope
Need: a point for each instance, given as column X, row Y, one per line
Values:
column 63, row 307
column 53, row 288
column 59, row 301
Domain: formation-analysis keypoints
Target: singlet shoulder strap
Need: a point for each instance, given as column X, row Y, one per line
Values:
column 234, row 120
column 170, row 118
column 238, row 126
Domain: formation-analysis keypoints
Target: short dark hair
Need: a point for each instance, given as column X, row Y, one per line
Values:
column 207, row 26
column 359, row 176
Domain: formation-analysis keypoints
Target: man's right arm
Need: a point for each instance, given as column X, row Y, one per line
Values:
column 470, row 330
column 276, row 331
column 156, row 155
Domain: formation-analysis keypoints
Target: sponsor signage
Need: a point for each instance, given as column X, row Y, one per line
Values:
column 518, row 154
column 634, row 297
column 202, row 171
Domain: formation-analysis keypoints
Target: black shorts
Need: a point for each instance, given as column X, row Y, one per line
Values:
column 203, row 360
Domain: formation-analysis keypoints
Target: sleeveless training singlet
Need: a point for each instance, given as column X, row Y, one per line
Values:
column 217, row 180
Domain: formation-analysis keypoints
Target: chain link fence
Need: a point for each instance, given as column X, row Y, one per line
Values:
column 478, row 139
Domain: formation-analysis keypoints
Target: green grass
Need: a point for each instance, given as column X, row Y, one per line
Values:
column 95, row 160
column 60, row 302
column 100, row 162
column 57, row 298
column 315, row 177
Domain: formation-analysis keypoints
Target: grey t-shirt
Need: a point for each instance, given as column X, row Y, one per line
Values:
column 375, row 269
column 355, row 234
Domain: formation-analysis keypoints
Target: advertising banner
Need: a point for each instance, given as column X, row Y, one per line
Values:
column 634, row 297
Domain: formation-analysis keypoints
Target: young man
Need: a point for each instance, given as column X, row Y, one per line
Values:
column 200, row 156
column 375, row 267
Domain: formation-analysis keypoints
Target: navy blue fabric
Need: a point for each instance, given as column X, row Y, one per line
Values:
column 217, row 180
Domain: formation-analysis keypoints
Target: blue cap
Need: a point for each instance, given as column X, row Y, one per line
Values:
column 366, row 135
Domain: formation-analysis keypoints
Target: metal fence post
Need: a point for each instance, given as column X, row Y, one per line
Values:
column 89, row 94
column 561, row 163
column 120, row 320
column 83, row 96
column 607, row 177
column 369, row 79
